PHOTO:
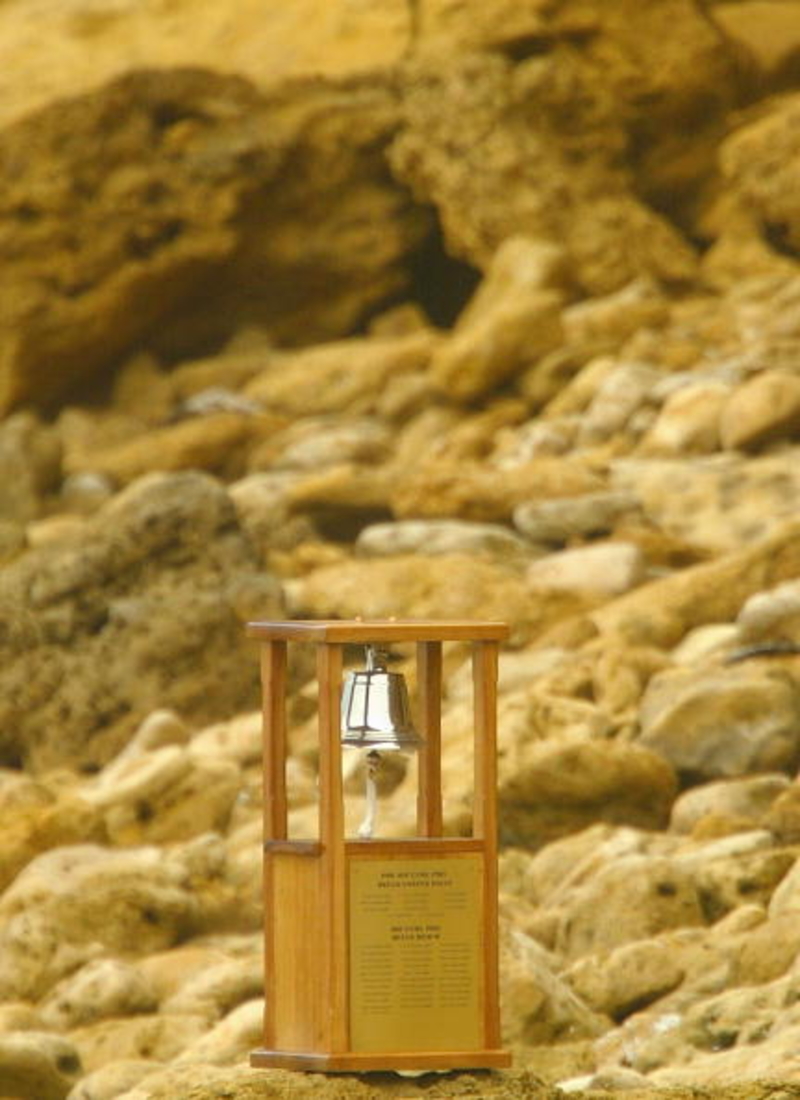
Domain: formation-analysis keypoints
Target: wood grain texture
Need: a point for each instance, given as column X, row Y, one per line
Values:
column 366, row 1063
column 429, row 686
column 332, row 933
column 485, row 664
column 383, row 630
column 297, row 1011
column 273, row 681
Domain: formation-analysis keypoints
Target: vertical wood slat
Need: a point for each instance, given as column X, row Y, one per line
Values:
column 429, row 792
column 484, row 671
column 273, row 680
column 273, row 683
column 270, row 991
column 298, row 1018
column 334, row 924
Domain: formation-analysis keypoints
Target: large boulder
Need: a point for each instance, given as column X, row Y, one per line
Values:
column 68, row 46
column 523, row 127
column 145, row 608
column 185, row 205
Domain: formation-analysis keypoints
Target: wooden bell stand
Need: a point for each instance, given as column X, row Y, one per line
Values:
column 380, row 954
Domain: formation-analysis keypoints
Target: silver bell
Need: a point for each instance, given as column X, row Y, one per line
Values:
column 376, row 713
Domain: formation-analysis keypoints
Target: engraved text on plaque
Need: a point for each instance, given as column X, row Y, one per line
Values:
column 415, row 953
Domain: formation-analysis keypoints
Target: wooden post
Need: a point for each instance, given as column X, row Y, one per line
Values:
column 333, row 932
column 429, row 792
column 485, row 659
column 273, row 681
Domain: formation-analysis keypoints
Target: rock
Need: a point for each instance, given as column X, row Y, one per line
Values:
column 218, row 443
column 341, row 375
column 86, row 492
column 14, row 539
column 217, row 990
column 165, row 796
column 767, row 951
column 268, row 49
column 162, row 727
column 607, row 569
column 30, row 467
column 340, row 500
column 783, row 816
column 18, row 1016
column 688, row 421
column 547, row 790
column 558, row 521
column 635, row 898
column 786, row 898
column 737, row 870
column 103, row 988
column 113, row 1079
column 202, row 1082
column 231, row 1040
column 746, row 799
column 105, row 621
column 37, row 827
column 622, row 393
column 607, row 1080
column 240, row 740
column 446, row 434
column 578, row 391
column 724, row 723
column 517, row 671
column 71, row 904
column 534, row 439
column 719, row 503
column 85, row 288
column 758, row 160
column 540, row 1007
column 703, row 642
column 773, row 614
column 613, row 318
column 663, row 611
column 471, row 491
column 468, row 137
column 767, row 30
column 312, row 444
column 444, row 587
column 762, row 410
column 626, row 979
column 264, row 512
column 174, row 968
column 37, row 1065
column 145, row 1037
column 512, row 320
column 432, row 537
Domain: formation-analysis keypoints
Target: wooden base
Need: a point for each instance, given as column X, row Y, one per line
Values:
column 350, row 1062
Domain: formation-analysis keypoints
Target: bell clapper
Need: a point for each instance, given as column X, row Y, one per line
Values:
column 367, row 827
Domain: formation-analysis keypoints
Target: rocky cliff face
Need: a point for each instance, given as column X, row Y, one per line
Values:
column 415, row 309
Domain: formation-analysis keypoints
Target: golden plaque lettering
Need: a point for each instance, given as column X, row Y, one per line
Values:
column 415, row 953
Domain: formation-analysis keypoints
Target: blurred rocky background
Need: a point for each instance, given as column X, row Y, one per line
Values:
column 337, row 308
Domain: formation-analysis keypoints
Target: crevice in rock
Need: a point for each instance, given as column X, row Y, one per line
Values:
column 345, row 525
column 440, row 283
column 525, row 46
column 637, row 1004
column 778, row 237
column 12, row 759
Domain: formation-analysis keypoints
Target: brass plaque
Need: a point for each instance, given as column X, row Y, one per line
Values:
column 415, row 954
